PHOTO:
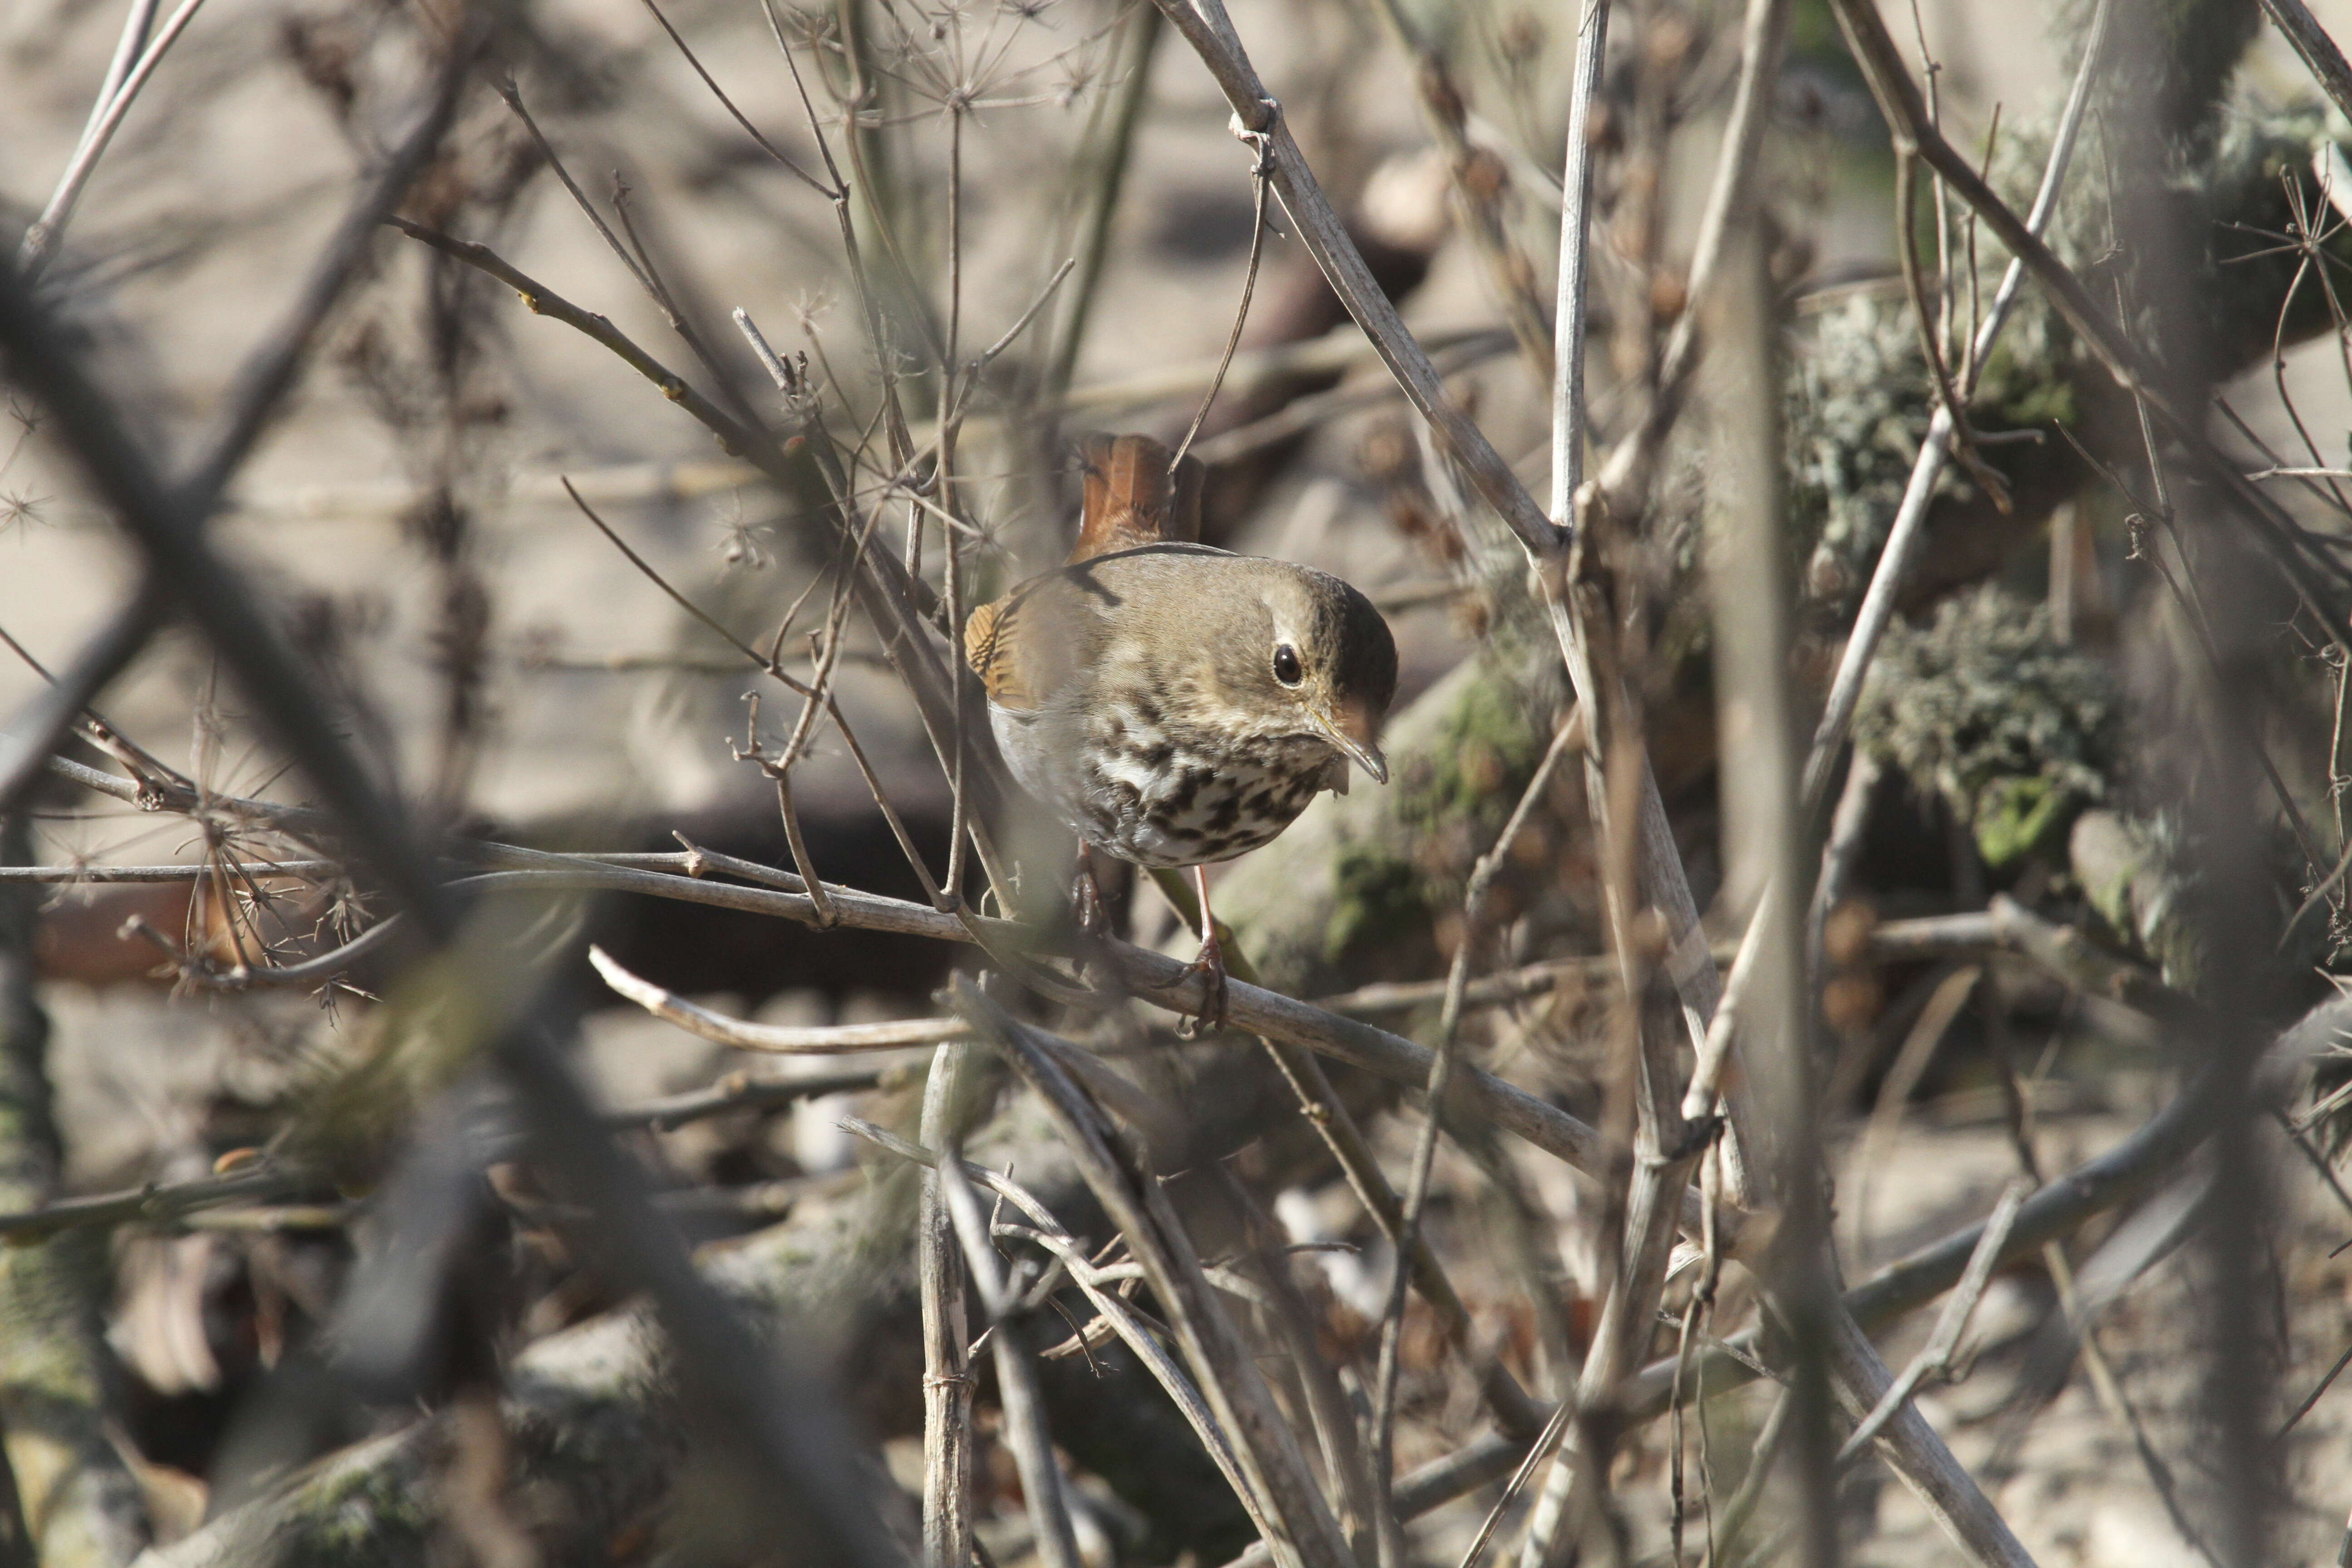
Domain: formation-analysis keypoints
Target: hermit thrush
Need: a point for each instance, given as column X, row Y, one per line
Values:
column 1172, row 704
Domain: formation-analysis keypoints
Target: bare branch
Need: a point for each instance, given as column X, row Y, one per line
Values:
column 1303, row 1529
column 115, row 98
column 1569, row 430
column 740, row 1091
column 757, row 1399
column 1205, row 25
column 948, row 1382
column 1571, row 732
column 828, row 1040
column 2301, row 30
column 1934, row 1358
column 1016, row 1375
column 34, row 731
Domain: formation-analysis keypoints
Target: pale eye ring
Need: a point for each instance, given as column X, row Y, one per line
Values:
column 1286, row 665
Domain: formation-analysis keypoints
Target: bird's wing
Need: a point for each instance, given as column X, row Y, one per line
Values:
column 1019, row 645
column 991, row 650
column 1036, row 646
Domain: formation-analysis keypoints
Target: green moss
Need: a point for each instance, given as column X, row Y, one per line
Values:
column 1854, row 417
column 2016, row 815
column 359, row 1513
column 1983, row 707
column 1376, row 892
column 1485, row 746
column 1858, row 394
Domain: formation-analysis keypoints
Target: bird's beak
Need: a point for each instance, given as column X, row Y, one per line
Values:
column 1352, row 729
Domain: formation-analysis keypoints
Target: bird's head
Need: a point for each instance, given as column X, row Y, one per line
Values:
column 1315, row 657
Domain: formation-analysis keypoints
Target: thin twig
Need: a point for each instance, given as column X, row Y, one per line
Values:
column 1513, row 1410
column 827, row 1040
column 1018, row 1395
column 1918, row 1455
column 2303, row 1406
column 1306, row 1531
column 1125, row 1320
column 1934, row 1358
column 740, row 1091
column 1261, row 171
column 1568, row 430
column 1903, row 534
column 34, row 731
column 1441, row 1073
column 114, row 102
column 1939, row 375
column 1209, row 32
column 542, row 300
column 157, row 1203
column 2303, row 32
column 830, row 192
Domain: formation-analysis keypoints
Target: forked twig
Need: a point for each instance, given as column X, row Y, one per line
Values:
column 1934, row 1358
column 823, row 1039
column 115, row 98
column 1125, row 1319
column 1018, row 1395
column 1304, row 1529
column 1261, row 173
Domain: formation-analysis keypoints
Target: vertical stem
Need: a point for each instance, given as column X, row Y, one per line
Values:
column 1847, row 825
column 1568, row 416
column 1105, row 176
column 1749, row 575
column 947, row 1367
column 960, row 679
column 83, row 1505
column 1017, row 1393
column 1390, row 1536
column 2339, row 784
column 955, row 256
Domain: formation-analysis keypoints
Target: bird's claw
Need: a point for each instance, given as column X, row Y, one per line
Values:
column 1209, row 966
column 1087, row 905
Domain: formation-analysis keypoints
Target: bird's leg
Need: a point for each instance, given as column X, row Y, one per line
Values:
column 1210, row 965
column 1086, row 904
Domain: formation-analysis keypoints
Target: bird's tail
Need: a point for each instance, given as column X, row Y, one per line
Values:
column 1132, row 498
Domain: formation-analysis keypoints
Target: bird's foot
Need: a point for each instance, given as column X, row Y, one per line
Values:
column 1087, row 905
column 1211, row 968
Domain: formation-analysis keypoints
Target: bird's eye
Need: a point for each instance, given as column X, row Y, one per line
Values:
column 1286, row 665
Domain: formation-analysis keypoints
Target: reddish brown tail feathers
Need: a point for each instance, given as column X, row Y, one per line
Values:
column 1131, row 498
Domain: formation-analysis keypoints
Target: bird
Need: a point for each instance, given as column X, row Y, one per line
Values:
column 1175, row 705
